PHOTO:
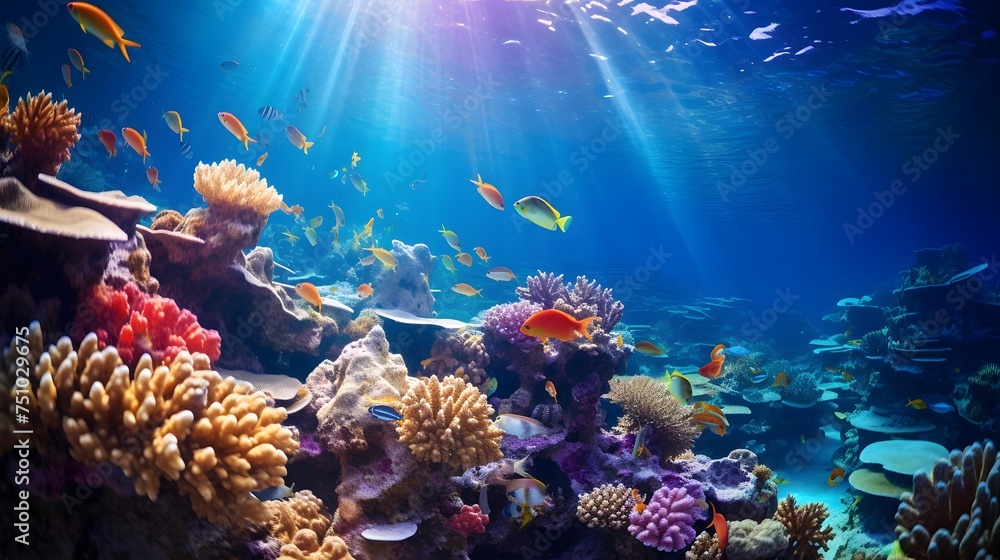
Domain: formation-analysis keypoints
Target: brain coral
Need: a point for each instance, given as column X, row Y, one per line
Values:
column 448, row 421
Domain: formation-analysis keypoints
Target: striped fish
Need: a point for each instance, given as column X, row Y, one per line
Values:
column 269, row 113
column 186, row 150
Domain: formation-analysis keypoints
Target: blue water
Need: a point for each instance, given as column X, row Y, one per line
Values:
column 632, row 125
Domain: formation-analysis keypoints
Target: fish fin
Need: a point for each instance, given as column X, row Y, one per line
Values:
column 584, row 324
column 527, row 517
column 110, row 43
column 564, row 222
column 306, row 146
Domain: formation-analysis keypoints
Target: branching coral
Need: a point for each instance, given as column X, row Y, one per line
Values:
column 667, row 521
column 762, row 474
column 503, row 322
column 875, row 344
column 705, row 547
column 544, row 290
column 647, row 401
column 226, row 184
column 470, row 521
column 607, row 506
column 461, row 354
column 749, row 540
column 448, row 421
column 582, row 299
column 804, row 525
column 298, row 523
column 43, row 132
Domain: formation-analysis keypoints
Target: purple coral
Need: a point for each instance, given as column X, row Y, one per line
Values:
column 585, row 298
column 545, row 289
column 667, row 521
column 503, row 322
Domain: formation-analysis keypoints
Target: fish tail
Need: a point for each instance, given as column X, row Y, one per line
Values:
column 564, row 222
column 583, row 325
column 122, row 43
column 527, row 517
column 306, row 146
column 85, row 71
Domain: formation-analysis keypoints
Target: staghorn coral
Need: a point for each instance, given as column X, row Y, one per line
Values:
column 607, row 506
column 647, row 401
column 43, row 132
column 705, row 547
column 448, row 421
column 232, row 185
column 667, row 521
column 544, row 290
column 470, row 521
column 749, row 540
column 804, row 527
column 298, row 522
column 503, row 322
column 762, row 474
column 461, row 354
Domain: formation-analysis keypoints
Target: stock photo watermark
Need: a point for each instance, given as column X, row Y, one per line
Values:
column 760, row 324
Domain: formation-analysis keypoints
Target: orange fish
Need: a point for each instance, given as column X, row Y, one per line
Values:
column 550, row 388
column 309, row 293
column 92, row 19
column 464, row 258
column 489, row 192
column 640, row 502
column 466, row 290
column 67, row 75
column 648, row 348
column 713, row 369
column 365, row 290
column 721, row 528
column 153, row 175
column 710, row 415
column 109, row 140
column 836, row 477
column 552, row 323
column 136, row 142
column 482, row 254
column 781, row 380
column 234, row 126
column 847, row 376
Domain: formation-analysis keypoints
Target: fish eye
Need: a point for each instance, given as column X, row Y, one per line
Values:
column 527, row 327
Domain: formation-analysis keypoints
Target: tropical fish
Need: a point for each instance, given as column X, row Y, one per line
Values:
column 552, row 323
column 464, row 258
column 384, row 412
column 92, row 19
column 269, row 113
column 292, row 238
column 713, row 369
column 781, row 380
column 721, row 528
column 153, row 175
column 501, row 274
column 228, row 66
column 918, row 404
column 109, row 140
column 260, row 160
column 446, row 261
column 848, row 332
column 846, row 375
column 640, row 501
column 759, row 378
column 186, row 150
column 355, row 158
column 680, row 387
column 365, row 290
column 17, row 38
column 367, row 261
column 380, row 214
column 466, row 290
column 298, row 139
column 67, row 75
column 620, row 341
column 492, row 387
column 519, row 426
column 311, row 236
column 274, row 493
column 640, row 441
column 840, row 415
column 77, row 60
column 707, row 414
column 450, row 237
column 385, row 257
column 316, row 222
column 308, row 292
column 942, row 408
column 539, row 212
column 526, row 493
column 550, row 388
column 488, row 192
column 481, row 253
column 136, row 142
column 836, row 477
column 333, row 174
column 173, row 119
column 337, row 212
column 359, row 183
column 414, row 184
column 830, row 368
column 648, row 348
column 237, row 129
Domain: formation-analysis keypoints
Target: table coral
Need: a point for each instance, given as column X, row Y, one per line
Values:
column 804, row 525
column 470, row 521
column 607, row 506
column 44, row 132
column 647, row 401
column 667, row 522
column 448, row 421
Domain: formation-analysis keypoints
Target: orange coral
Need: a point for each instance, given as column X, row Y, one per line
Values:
column 44, row 132
column 298, row 523
column 804, row 525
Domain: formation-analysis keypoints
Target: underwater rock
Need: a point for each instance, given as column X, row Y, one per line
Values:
column 727, row 485
column 405, row 288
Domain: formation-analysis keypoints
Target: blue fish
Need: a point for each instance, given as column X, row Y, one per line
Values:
column 640, row 441
column 759, row 378
column 735, row 352
column 383, row 412
column 269, row 113
column 186, row 150
column 942, row 408
column 493, row 387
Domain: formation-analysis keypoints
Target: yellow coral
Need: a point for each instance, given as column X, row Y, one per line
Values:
column 297, row 522
column 227, row 184
column 43, row 131
column 448, row 421
column 606, row 506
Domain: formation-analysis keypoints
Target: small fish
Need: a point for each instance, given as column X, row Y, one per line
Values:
column 17, row 38
column 552, row 323
column 298, row 139
column 501, row 274
column 464, row 258
column 333, row 174
column 918, row 404
column 228, row 66
column 488, row 192
column 186, row 150
column 384, row 412
column 337, row 212
column 448, row 265
column 680, row 387
column 848, row 332
column 321, row 132
column 77, row 61
column 539, row 212
column 260, row 160
column 173, row 119
column 355, row 158
column 274, row 493
column 640, row 441
column 648, row 348
column 639, row 499
column 380, row 214
column 416, row 183
column 802, row 438
column 451, row 238
column 707, row 414
column 519, row 426
column 550, row 388
column 109, row 140
column 234, row 126
column 836, row 477
column 67, row 75
column 311, row 236
column 359, row 183
column 292, row 238
column 367, row 261
column 942, row 408
column 781, row 380
column 385, row 257
column 840, row 415
column 316, row 222
column 759, row 378
column 308, row 292
column 526, row 493
column 846, row 375
column 492, row 387
column 481, row 253
column 713, row 369
column 269, row 113
column 830, row 368
column 301, row 96
column 721, row 528
column 136, row 141
column 365, row 291
column 153, row 175
column 100, row 24
column 466, row 290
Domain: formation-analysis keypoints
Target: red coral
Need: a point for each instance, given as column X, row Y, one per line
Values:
column 103, row 311
column 471, row 521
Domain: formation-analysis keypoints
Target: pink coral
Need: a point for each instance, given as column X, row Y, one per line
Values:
column 667, row 521
column 470, row 521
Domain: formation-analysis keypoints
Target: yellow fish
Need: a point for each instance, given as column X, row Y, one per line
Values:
column 92, row 19
column 451, row 237
column 355, row 158
column 77, row 60
column 446, row 260
column 298, row 139
column 918, row 404
column 173, row 119
column 466, row 290
column 539, row 212
column 385, row 257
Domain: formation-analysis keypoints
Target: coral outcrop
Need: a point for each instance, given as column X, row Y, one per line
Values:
column 705, row 547
column 43, row 132
column 667, row 522
column 404, row 288
column 750, row 540
column 804, row 525
column 302, row 525
column 646, row 401
column 461, row 354
column 607, row 506
column 470, row 521
column 503, row 322
column 581, row 299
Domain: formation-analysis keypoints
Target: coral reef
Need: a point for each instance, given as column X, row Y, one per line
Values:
column 705, row 547
column 403, row 287
column 298, row 523
column 503, row 322
column 802, row 390
column 227, row 184
column 448, row 421
column 804, row 525
column 462, row 354
column 750, row 540
column 607, row 506
column 470, row 521
column 581, row 299
column 167, row 220
column 667, row 522
column 729, row 486
column 647, row 401
column 875, row 344
column 43, row 132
